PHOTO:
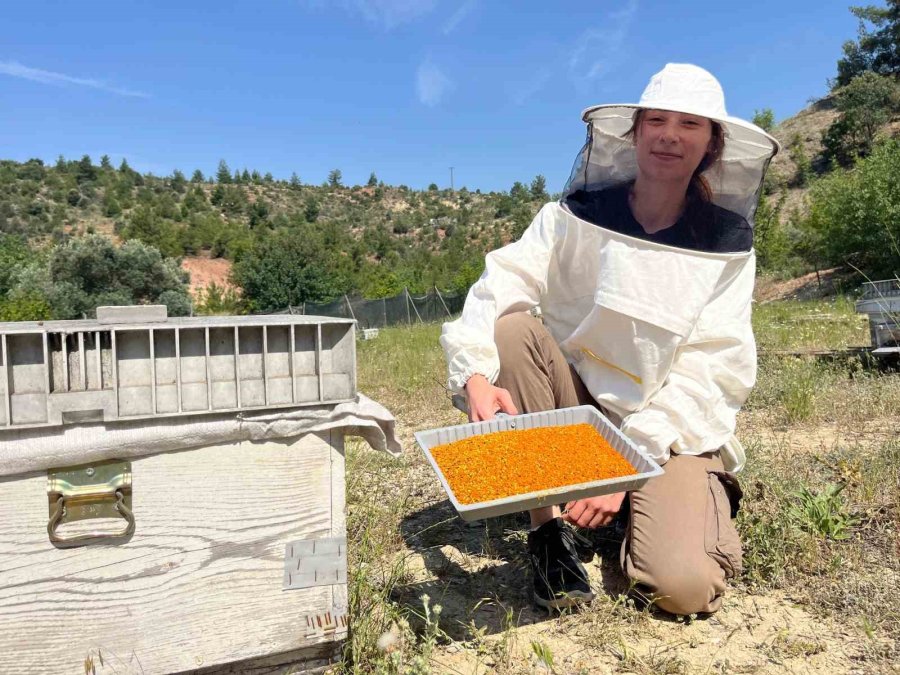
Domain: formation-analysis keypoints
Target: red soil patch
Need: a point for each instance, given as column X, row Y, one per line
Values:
column 205, row 271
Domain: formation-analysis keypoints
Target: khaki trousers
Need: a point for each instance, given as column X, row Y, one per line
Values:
column 681, row 544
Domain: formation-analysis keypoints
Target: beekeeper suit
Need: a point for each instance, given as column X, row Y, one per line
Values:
column 660, row 336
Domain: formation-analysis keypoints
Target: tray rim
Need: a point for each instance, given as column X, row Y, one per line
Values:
column 465, row 510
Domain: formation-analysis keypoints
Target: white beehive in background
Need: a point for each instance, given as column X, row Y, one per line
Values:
column 881, row 301
column 172, row 492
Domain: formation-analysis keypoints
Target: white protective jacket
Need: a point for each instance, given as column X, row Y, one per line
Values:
column 661, row 336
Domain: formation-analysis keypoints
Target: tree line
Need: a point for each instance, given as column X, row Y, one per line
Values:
column 290, row 242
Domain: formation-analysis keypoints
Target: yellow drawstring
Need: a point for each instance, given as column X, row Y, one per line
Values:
column 606, row 363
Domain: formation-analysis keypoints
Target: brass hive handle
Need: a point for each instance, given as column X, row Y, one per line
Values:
column 90, row 537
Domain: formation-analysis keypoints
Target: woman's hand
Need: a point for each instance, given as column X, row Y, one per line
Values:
column 594, row 511
column 485, row 400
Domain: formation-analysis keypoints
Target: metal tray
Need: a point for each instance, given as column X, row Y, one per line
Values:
column 645, row 466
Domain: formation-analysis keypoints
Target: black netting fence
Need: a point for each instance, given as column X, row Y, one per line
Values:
column 402, row 308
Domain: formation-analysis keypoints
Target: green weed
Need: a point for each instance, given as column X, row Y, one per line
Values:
column 544, row 655
column 823, row 513
column 798, row 397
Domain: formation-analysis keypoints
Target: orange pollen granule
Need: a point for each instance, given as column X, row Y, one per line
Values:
column 505, row 463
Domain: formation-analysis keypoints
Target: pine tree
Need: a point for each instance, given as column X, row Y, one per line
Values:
column 373, row 180
column 197, row 177
column 178, row 181
column 311, row 209
column 334, row 178
column 87, row 172
column 105, row 164
column 539, row 188
column 518, row 192
column 223, row 174
column 876, row 49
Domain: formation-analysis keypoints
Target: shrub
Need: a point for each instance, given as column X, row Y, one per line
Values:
column 801, row 160
column 764, row 119
column 290, row 268
column 14, row 252
column 25, row 306
column 86, row 272
column 770, row 240
column 866, row 104
column 853, row 217
column 218, row 300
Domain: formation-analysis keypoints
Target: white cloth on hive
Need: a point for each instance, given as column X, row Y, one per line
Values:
column 39, row 449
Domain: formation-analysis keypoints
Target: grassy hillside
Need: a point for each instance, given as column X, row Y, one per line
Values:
column 409, row 230
column 801, row 137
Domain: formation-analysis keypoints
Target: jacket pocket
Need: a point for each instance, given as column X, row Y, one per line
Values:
column 722, row 541
column 658, row 287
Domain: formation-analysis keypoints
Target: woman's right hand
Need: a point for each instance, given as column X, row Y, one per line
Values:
column 485, row 400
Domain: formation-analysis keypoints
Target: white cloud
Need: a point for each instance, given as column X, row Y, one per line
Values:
column 461, row 13
column 523, row 92
column 386, row 13
column 15, row 69
column 431, row 83
column 598, row 49
column 586, row 59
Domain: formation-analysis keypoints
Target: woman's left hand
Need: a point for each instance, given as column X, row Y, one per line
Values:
column 594, row 511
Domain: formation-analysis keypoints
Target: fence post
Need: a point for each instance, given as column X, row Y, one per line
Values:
column 406, row 296
column 384, row 322
column 349, row 307
column 410, row 300
column 440, row 297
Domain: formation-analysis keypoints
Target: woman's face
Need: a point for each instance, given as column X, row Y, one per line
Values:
column 670, row 145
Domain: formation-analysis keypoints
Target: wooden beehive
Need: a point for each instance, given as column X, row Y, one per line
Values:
column 236, row 560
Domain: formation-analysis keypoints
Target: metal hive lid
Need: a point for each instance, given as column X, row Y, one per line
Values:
column 144, row 365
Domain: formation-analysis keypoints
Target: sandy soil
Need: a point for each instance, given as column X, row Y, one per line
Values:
column 479, row 574
column 205, row 270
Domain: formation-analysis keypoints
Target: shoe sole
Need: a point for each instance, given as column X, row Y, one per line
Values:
column 569, row 600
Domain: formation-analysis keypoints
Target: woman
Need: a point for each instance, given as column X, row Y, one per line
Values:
column 644, row 272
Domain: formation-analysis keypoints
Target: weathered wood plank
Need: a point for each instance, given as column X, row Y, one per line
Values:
column 338, row 509
column 199, row 583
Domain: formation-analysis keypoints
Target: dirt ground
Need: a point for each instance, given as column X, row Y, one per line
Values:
column 479, row 575
column 808, row 287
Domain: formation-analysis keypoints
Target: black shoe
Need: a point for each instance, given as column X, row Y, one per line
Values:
column 584, row 545
column 560, row 579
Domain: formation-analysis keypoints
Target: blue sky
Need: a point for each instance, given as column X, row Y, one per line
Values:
column 405, row 88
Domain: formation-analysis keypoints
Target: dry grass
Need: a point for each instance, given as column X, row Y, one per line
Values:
column 807, row 601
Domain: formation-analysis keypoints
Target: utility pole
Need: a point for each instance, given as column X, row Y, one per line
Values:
column 451, row 179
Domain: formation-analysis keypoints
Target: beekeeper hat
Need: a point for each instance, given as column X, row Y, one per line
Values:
column 608, row 158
